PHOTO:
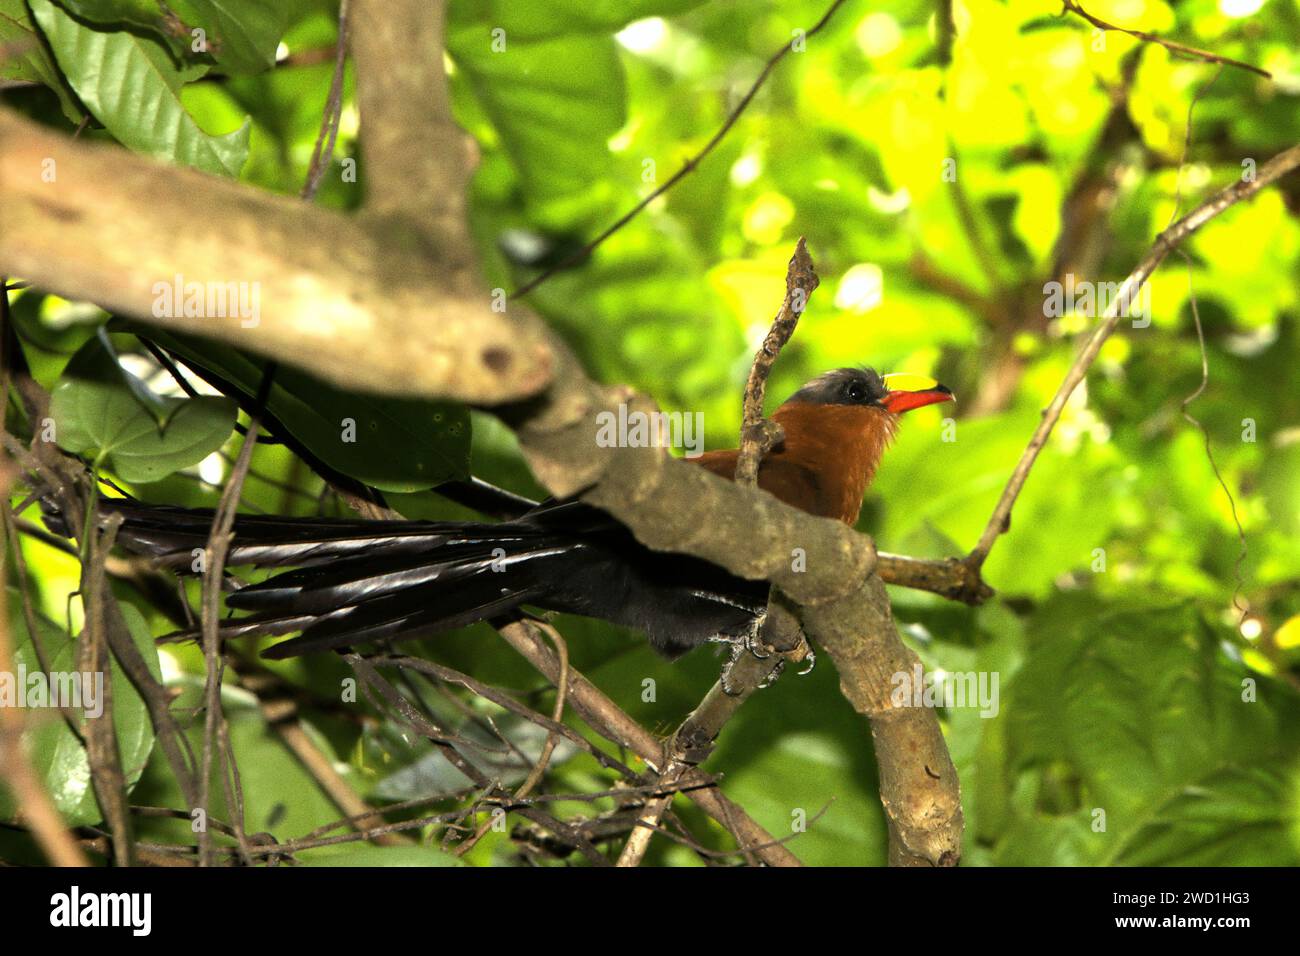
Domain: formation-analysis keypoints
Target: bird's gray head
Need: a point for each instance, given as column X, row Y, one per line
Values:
column 843, row 386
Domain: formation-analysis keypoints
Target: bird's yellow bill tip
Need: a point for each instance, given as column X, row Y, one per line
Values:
column 909, row 382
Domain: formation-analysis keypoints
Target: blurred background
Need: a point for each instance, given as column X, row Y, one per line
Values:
column 945, row 162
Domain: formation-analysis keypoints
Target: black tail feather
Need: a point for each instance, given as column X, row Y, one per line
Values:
column 358, row 581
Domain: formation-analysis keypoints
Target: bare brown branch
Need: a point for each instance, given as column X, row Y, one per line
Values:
column 1180, row 49
column 758, row 435
column 610, row 721
column 1268, row 173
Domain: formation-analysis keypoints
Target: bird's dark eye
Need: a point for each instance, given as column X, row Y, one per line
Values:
column 856, row 392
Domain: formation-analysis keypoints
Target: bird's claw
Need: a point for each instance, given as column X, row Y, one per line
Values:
column 752, row 643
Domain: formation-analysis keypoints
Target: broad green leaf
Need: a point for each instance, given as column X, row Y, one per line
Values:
column 553, row 103
column 1233, row 817
column 241, row 35
column 55, row 753
column 138, row 13
column 546, row 18
column 132, row 85
column 388, row 443
column 24, row 57
column 102, row 411
column 1136, row 719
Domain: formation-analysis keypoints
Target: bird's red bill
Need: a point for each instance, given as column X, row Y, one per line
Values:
column 905, row 392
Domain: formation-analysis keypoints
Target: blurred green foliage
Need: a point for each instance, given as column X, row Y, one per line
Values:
column 940, row 179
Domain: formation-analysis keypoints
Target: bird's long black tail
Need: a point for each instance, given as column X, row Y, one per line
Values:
column 355, row 581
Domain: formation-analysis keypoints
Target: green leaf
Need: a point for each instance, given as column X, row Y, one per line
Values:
column 1236, row 816
column 131, row 85
column 279, row 796
column 553, row 102
column 138, row 13
column 241, row 35
column 392, row 444
column 548, row 18
column 102, row 411
column 1138, row 714
column 55, row 753
column 103, row 365
column 26, row 58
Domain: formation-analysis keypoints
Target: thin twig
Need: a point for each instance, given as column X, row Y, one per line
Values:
column 1205, row 361
column 1000, row 521
column 102, row 749
column 687, row 167
column 551, row 725
column 759, row 435
column 33, row 799
column 557, row 714
column 324, row 149
column 614, row 724
column 1170, row 45
column 411, row 715
column 1242, row 551
column 218, row 546
column 748, row 670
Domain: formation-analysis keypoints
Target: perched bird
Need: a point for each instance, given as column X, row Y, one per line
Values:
column 355, row 581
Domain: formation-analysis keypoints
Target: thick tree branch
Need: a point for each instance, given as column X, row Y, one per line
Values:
column 918, row 782
column 360, row 303
column 418, row 168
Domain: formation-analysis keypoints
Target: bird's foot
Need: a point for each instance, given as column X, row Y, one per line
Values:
column 772, row 675
column 737, row 649
column 755, row 644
